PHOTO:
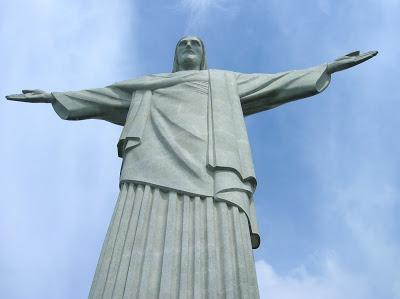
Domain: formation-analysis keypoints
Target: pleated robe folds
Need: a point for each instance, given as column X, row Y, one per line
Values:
column 184, row 224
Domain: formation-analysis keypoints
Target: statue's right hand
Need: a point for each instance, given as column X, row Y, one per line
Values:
column 32, row 96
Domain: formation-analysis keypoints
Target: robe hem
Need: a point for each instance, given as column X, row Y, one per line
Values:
column 255, row 237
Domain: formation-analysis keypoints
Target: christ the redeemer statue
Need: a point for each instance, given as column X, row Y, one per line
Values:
column 184, row 225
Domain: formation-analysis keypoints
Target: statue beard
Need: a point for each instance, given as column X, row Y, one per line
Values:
column 190, row 62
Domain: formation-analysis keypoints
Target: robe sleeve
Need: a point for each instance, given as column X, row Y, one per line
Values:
column 110, row 103
column 259, row 92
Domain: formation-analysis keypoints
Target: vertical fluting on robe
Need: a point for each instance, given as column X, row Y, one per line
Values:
column 161, row 244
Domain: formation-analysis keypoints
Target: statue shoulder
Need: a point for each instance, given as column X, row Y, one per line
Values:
column 134, row 80
column 140, row 82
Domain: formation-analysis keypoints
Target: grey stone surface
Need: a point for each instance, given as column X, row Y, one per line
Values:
column 184, row 133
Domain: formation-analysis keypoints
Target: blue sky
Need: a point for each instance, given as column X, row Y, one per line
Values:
column 328, row 167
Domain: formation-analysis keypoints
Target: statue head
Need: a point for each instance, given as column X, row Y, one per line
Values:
column 189, row 54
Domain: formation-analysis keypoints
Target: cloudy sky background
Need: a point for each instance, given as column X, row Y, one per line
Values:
column 328, row 167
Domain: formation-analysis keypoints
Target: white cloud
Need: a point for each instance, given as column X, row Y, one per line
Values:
column 332, row 282
column 355, row 161
column 81, row 39
column 367, row 205
column 198, row 9
column 50, row 220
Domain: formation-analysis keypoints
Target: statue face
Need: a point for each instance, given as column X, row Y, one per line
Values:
column 189, row 53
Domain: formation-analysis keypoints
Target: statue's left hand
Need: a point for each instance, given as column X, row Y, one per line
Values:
column 349, row 60
column 32, row 96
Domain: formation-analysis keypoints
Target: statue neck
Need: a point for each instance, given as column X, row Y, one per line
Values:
column 189, row 65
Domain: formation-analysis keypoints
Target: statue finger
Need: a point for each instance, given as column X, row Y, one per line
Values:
column 33, row 91
column 368, row 54
column 16, row 97
column 371, row 53
column 38, row 91
column 29, row 98
column 349, row 55
column 363, row 58
column 27, row 91
column 354, row 53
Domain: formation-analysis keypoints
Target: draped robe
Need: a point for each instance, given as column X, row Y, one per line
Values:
column 184, row 132
column 217, row 165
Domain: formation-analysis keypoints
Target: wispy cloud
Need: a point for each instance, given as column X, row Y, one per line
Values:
column 56, row 45
column 355, row 162
column 198, row 10
column 54, row 37
column 330, row 282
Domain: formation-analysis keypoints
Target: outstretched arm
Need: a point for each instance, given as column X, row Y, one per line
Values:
column 110, row 103
column 259, row 92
